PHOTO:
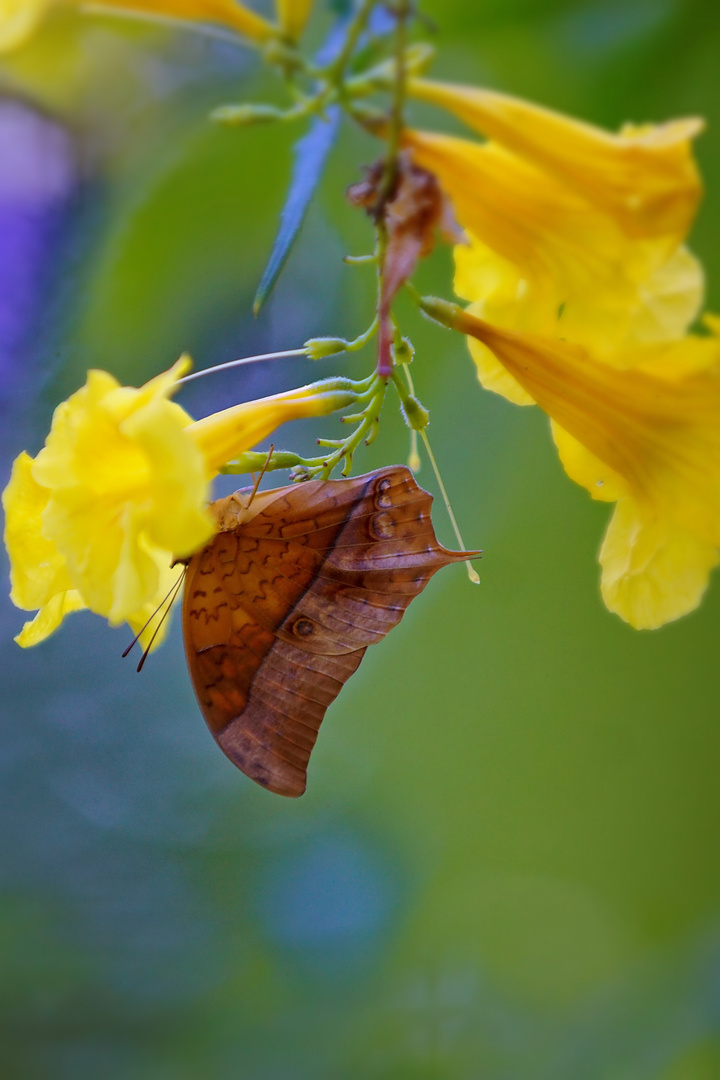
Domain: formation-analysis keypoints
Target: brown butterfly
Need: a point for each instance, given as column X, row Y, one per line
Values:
column 280, row 606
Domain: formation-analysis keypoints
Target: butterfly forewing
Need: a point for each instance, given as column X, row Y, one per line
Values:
column 282, row 603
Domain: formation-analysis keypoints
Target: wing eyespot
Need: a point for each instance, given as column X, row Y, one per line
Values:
column 382, row 526
column 383, row 498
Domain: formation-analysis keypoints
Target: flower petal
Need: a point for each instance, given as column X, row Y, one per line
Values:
column 571, row 270
column 37, row 570
column 81, row 435
column 175, row 515
column 654, row 571
column 126, row 490
column 230, row 13
column 645, row 177
column 19, row 19
column 128, row 399
column 491, row 373
column 134, row 574
column 49, row 618
column 582, row 466
column 669, row 299
column 292, row 15
column 227, row 434
column 661, row 435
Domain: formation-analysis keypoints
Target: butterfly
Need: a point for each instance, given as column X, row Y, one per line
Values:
column 281, row 604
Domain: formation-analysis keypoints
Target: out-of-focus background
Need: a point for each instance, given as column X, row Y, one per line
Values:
column 506, row 864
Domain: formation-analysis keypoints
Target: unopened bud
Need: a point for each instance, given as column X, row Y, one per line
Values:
column 442, row 311
column 414, row 413
column 404, row 351
column 320, row 347
column 240, row 115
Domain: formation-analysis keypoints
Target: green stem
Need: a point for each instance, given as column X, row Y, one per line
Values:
column 343, row 449
column 370, row 393
column 335, row 72
column 254, row 461
column 397, row 111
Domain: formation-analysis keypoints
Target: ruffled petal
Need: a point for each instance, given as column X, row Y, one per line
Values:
column 37, row 570
column 121, row 401
column 654, row 570
column 82, row 439
column 135, row 571
column 49, row 618
column 669, row 299
column 176, row 518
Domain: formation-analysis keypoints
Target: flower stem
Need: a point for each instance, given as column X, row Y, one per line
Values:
column 397, row 110
column 335, row 72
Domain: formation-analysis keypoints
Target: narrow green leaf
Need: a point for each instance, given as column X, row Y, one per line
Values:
column 311, row 153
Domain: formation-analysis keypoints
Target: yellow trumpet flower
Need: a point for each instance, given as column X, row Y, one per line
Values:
column 19, row 19
column 120, row 490
column 644, row 434
column 644, row 176
column 541, row 258
column 292, row 16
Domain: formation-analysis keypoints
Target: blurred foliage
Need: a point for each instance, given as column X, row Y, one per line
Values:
column 505, row 865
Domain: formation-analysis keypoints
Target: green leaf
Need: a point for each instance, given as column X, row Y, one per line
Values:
column 311, row 153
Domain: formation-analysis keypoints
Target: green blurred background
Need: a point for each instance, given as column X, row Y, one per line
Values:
column 506, row 864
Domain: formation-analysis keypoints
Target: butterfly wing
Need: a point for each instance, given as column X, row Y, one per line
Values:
column 278, row 612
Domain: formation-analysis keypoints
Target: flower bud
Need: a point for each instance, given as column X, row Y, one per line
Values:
column 414, row 413
column 241, row 115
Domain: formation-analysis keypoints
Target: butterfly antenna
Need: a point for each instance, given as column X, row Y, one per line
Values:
column 257, row 483
column 175, row 590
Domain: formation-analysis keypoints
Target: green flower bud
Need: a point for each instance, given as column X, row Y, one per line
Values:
column 414, row 413
column 240, row 115
column 320, row 347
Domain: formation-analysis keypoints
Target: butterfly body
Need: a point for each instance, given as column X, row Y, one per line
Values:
column 281, row 605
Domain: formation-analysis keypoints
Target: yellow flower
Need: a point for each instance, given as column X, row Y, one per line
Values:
column 229, row 13
column 19, row 19
column 644, row 177
column 644, row 434
column 572, row 231
column 120, row 490
column 292, row 16
column 543, row 259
